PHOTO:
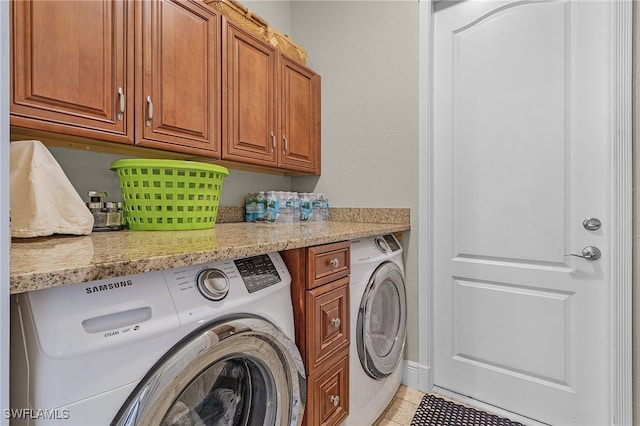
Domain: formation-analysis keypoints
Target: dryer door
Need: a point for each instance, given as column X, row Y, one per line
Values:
column 382, row 321
column 237, row 372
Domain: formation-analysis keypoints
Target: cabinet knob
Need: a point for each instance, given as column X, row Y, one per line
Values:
column 335, row 399
column 334, row 262
column 285, row 145
column 336, row 322
column 273, row 142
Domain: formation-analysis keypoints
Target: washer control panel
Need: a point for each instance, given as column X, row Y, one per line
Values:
column 257, row 272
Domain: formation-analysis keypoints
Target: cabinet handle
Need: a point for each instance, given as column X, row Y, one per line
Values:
column 335, row 399
column 336, row 322
column 149, row 111
column 334, row 262
column 121, row 98
column 273, row 142
column 285, row 146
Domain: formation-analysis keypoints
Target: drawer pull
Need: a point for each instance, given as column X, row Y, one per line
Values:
column 335, row 399
column 336, row 322
column 334, row 262
column 149, row 111
column 122, row 103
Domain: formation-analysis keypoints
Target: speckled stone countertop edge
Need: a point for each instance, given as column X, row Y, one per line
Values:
column 62, row 260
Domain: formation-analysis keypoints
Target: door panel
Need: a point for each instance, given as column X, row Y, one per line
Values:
column 539, row 353
column 520, row 138
column 522, row 96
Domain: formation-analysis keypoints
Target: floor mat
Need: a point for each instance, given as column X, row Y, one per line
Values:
column 434, row 411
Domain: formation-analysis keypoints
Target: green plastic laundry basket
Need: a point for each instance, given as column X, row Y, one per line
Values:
column 169, row 195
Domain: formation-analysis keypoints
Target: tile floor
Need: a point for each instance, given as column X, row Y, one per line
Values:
column 401, row 409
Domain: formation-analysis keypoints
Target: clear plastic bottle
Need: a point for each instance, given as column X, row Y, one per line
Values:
column 273, row 206
column 316, row 213
column 306, row 207
column 324, row 207
column 251, row 207
column 296, row 207
column 286, row 207
column 261, row 206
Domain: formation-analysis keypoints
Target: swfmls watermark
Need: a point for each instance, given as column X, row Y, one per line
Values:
column 35, row 414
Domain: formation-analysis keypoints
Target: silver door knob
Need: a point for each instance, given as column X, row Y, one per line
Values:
column 590, row 253
column 592, row 224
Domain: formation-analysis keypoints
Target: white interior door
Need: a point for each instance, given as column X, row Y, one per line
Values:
column 521, row 127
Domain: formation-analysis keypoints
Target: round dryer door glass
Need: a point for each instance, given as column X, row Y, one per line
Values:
column 382, row 320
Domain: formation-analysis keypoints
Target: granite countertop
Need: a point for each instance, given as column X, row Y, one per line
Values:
column 39, row 263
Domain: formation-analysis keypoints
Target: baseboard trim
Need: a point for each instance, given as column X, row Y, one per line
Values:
column 416, row 376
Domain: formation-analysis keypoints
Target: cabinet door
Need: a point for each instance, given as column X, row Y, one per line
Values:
column 300, row 103
column 328, row 402
column 249, row 110
column 328, row 323
column 178, row 77
column 72, row 68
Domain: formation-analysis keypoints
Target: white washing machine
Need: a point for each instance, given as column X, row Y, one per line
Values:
column 378, row 326
column 208, row 344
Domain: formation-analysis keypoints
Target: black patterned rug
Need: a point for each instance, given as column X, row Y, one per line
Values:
column 434, row 411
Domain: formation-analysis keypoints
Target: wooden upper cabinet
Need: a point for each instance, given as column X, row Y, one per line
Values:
column 72, row 68
column 172, row 75
column 271, row 105
column 300, row 117
column 249, row 112
column 178, row 77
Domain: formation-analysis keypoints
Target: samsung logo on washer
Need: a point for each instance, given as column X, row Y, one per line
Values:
column 110, row 286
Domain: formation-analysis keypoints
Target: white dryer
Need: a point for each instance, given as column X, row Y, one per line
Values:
column 378, row 326
column 208, row 344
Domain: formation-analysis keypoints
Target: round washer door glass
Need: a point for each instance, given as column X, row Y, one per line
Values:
column 240, row 372
column 382, row 321
column 235, row 391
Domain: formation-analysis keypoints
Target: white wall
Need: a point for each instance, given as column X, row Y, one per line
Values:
column 89, row 171
column 367, row 55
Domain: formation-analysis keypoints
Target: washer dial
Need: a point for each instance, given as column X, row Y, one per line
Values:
column 213, row 284
column 382, row 245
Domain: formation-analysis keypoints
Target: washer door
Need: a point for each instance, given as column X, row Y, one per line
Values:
column 382, row 322
column 236, row 372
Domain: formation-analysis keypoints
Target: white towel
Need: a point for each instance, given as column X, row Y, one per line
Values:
column 43, row 201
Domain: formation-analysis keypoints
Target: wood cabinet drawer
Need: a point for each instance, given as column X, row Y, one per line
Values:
column 328, row 402
column 328, row 328
column 327, row 263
